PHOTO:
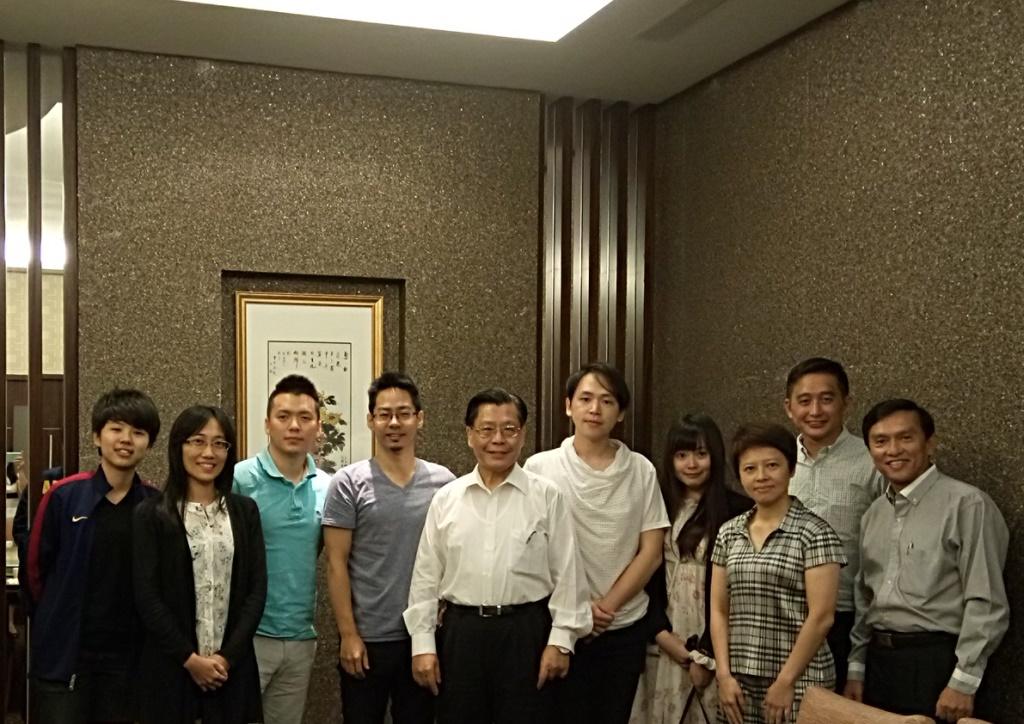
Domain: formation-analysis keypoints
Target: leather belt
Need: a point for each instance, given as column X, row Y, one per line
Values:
column 909, row 640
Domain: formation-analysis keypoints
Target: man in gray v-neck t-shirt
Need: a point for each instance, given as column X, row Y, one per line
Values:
column 373, row 517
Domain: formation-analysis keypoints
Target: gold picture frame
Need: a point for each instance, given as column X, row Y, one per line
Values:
column 336, row 340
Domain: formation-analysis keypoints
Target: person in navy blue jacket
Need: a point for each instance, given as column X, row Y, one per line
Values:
column 85, row 631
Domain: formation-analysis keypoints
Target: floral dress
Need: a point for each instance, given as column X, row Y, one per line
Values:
column 665, row 685
column 208, row 529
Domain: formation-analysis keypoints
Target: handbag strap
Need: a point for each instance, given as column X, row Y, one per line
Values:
column 689, row 702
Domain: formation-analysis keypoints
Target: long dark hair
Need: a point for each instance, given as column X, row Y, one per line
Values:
column 188, row 423
column 694, row 432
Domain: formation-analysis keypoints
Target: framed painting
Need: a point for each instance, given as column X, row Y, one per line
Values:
column 335, row 340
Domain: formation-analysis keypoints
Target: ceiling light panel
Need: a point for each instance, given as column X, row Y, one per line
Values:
column 547, row 20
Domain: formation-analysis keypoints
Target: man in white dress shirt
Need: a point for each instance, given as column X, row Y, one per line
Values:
column 498, row 548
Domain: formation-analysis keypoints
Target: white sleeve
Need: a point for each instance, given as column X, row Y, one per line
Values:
column 421, row 615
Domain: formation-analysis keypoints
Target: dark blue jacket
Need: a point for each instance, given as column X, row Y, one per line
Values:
column 60, row 548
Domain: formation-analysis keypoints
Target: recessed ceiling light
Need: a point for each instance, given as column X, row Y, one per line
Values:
column 548, row 20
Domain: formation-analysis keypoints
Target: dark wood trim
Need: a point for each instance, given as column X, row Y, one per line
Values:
column 36, row 437
column 556, row 212
column 5, row 649
column 70, row 133
column 640, row 209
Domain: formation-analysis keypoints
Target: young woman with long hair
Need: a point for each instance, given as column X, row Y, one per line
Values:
column 698, row 501
column 200, row 582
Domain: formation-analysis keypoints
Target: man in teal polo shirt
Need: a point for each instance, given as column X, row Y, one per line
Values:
column 282, row 480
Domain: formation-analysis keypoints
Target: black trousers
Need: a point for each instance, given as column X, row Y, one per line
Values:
column 838, row 640
column 603, row 677
column 96, row 697
column 365, row 701
column 908, row 677
column 489, row 667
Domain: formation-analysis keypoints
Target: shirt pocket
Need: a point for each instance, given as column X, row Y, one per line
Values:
column 529, row 552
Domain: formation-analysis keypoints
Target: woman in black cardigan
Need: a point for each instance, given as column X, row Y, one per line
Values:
column 197, row 547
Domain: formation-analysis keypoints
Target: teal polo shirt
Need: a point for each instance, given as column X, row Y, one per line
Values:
column 290, row 515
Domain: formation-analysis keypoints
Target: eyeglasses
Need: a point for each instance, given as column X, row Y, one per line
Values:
column 200, row 443
column 509, row 432
column 384, row 416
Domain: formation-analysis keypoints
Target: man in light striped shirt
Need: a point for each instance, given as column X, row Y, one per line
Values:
column 835, row 476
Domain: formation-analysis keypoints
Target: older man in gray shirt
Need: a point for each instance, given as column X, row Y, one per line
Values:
column 931, row 604
column 373, row 517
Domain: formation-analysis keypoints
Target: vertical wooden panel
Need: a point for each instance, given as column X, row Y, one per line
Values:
column 70, row 132
column 638, row 360
column 556, row 216
column 37, row 436
column 585, row 220
column 597, row 295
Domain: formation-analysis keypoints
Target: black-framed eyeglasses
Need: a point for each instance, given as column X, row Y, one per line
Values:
column 384, row 416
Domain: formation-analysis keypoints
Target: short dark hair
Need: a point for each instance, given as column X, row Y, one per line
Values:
column 609, row 377
column 394, row 380
column 294, row 385
column 759, row 434
column 885, row 408
column 188, row 423
column 129, row 406
column 494, row 396
column 818, row 365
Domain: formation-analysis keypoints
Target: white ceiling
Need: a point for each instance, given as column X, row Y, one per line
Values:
column 640, row 51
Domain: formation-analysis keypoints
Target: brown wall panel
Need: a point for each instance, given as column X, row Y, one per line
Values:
column 857, row 192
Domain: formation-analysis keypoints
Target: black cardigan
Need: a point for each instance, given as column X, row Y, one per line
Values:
column 165, row 597
column 657, row 608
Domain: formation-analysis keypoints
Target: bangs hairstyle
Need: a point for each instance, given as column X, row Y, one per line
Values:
column 695, row 431
column 610, row 378
column 130, row 406
column 188, row 423
column 770, row 435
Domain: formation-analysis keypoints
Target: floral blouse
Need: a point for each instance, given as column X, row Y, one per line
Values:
column 208, row 529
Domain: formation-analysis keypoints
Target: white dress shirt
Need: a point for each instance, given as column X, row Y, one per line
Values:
column 511, row 545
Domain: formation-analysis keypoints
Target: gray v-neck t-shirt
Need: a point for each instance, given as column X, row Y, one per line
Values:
column 386, row 521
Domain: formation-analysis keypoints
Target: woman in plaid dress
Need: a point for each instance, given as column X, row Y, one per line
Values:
column 775, row 578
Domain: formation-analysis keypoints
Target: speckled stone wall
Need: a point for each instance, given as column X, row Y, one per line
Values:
column 857, row 191
column 190, row 168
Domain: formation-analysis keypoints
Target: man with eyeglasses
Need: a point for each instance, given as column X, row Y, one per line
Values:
column 282, row 479
column 372, row 521
column 498, row 548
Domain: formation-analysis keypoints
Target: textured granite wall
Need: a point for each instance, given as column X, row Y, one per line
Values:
column 857, row 191
column 190, row 168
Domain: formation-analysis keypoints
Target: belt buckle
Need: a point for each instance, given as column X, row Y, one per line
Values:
column 488, row 611
column 884, row 639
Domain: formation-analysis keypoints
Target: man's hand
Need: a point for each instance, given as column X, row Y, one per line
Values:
column 602, row 617
column 854, row 690
column 553, row 665
column 353, row 657
column 953, row 705
column 426, row 671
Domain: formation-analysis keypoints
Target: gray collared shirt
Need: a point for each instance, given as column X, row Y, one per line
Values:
column 839, row 484
column 932, row 559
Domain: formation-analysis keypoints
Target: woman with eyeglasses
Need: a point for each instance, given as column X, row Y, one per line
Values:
column 200, row 582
